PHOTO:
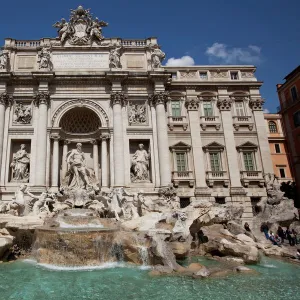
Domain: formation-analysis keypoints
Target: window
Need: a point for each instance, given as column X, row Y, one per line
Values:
column 181, row 162
column 207, row 108
column 282, row 172
column 239, row 108
column 220, row 200
column 277, row 148
column 234, row 75
column 272, row 127
column 215, row 161
column 297, row 119
column 184, row 202
column 294, row 93
column 203, row 75
column 248, row 161
column 175, row 108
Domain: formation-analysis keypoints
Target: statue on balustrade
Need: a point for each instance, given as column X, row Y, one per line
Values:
column 79, row 176
column 4, row 61
column 44, row 58
column 157, row 56
column 114, row 58
column 64, row 29
column 20, row 165
column 140, row 165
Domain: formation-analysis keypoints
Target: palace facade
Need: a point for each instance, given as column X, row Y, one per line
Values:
column 142, row 125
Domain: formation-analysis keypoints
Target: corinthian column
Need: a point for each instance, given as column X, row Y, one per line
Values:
column 118, row 100
column 55, row 160
column 42, row 100
column 96, row 158
column 5, row 100
column 104, row 164
column 159, row 100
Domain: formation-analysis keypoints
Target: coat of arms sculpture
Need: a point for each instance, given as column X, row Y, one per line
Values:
column 81, row 29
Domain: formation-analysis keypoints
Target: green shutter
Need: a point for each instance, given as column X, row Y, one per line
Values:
column 181, row 162
column 215, row 161
column 176, row 108
column 248, row 161
column 207, row 107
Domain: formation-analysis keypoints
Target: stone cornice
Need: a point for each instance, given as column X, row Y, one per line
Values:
column 43, row 76
column 117, row 76
column 159, row 76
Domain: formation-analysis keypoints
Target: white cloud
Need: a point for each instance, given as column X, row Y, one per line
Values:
column 224, row 54
column 184, row 61
column 266, row 111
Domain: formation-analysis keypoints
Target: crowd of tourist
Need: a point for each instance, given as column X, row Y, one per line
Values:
column 278, row 238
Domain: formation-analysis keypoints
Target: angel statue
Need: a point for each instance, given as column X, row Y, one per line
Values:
column 157, row 56
column 114, row 58
column 64, row 29
column 96, row 29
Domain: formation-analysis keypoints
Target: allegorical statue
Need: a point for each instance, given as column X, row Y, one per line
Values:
column 114, row 58
column 79, row 174
column 140, row 165
column 157, row 56
column 64, row 29
column 96, row 29
column 44, row 58
column 4, row 61
column 20, row 165
column 22, row 114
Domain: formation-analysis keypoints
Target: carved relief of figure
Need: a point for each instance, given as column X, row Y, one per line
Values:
column 157, row 56
column 20, row 165
column 4, row 61
column 137, row 114
column 114, row 58
column 44, row 58
column 22, row 114
column 64, row 29
column 140, row 165
column 79, row 173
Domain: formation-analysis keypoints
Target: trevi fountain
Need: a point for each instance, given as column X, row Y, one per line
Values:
column 143, row 216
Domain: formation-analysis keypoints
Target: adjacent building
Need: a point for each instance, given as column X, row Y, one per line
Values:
column 278, row 147
column 142, row 125
column 289, row 96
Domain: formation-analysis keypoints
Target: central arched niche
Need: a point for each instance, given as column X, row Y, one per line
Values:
column 80, row 120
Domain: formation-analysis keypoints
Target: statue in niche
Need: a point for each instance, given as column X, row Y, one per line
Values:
column 4, row 61
column 114, row 58
column 140, row 165
column 22, row 114
column 20, row 165
column 78, row 176
column 44, row 58
column 157, row 56
column 137, row 114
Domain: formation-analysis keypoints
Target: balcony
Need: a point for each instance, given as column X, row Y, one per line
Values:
column 179, row 121
column 213, row 177
column 242, row 121
column 252, row 177
column 183, row 176
column 210, row 121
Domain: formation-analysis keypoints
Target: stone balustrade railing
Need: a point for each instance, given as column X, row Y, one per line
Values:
column 31, row 44
column 177, row 121
column 217, row 176
column 252, row 176
column 183, row 176
column 136, row 43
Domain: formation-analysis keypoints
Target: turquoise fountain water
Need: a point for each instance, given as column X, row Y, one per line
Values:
column 25, row 280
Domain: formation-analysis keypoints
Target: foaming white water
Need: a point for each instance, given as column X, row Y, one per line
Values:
column 63, row 224
column 268, row 266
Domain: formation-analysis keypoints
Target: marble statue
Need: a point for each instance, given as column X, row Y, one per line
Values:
column 22, row 114
column 81, row 29
column 140, row 165
column 157, row 56
column 40, row 204
column 64, row 29
column 274, row 193
column 79, row 173
column 4, row 61
column 114, row 58
column 20, row 165
column 137, row 114
column 44, row 58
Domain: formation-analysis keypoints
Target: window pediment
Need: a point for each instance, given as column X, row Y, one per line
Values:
column 247, row 146
column 180, row 146
column 214, row 146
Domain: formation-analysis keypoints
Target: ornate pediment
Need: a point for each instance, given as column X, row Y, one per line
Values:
column 180, row 146
column 81, row 29
column 213, row 146
column 247, row 145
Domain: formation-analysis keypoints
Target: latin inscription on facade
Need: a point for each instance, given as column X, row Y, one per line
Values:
column 26, row 62
column 135, row 61
column 80, row 61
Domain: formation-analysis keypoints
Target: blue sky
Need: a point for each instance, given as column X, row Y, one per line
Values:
column 265, row 33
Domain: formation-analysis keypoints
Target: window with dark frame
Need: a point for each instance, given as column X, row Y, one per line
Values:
column 294, row 93
column 272, row 127
column 234, row 75
column 277, row 148
column 282, row 173
column 296, row 118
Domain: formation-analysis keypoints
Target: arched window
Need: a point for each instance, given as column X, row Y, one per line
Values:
column 272, row 127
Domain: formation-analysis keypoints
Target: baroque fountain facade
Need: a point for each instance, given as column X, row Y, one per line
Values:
column 98, row 139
